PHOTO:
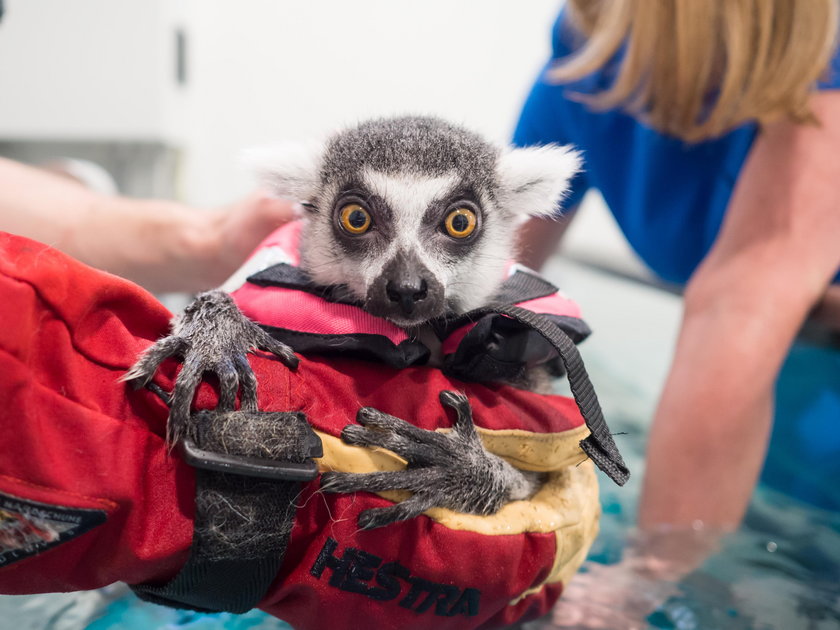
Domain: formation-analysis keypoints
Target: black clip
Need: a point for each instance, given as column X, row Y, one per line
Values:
column 308, row 446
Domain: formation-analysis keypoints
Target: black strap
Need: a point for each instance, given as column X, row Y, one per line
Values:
column 522, row 285
column 244, row 515
column 599, row 445
column 207, row 583
column 291, row 277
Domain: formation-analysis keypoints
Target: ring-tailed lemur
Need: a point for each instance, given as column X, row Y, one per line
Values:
column 416, row 218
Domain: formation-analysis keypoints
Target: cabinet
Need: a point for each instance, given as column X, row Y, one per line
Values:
column 93, row 70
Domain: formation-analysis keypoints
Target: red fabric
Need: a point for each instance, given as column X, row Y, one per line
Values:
column 555, row 304
column 287, row 238
column 296, row 310
column 75, row 436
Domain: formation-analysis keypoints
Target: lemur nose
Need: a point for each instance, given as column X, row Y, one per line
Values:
column 406, row 295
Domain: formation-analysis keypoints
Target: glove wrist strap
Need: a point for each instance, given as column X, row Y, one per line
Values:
column 244, row 516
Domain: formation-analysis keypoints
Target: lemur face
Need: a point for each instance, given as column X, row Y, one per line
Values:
column 414, row 216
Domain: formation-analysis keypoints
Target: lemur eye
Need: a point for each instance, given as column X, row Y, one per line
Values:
column 460, row 223
column 355, row 219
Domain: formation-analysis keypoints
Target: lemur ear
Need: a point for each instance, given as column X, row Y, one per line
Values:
column 289, row 170
column 534, row 179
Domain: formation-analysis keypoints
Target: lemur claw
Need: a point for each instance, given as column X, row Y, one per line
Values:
column 451, row 470
column 212, row 335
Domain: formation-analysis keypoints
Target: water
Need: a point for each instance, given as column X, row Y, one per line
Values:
column 780, row 571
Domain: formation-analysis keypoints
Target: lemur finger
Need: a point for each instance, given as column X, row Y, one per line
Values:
column 370, row 417
column 142, row 372
column 182, row 397
column 463, row 420
column 414, row 452
column 278, row 348
column 370, row 482
column 228, row 384
column 411, row 507
column 247, row 384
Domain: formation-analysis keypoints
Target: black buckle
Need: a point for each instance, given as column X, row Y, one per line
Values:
column 248, row 466
column 308, row 445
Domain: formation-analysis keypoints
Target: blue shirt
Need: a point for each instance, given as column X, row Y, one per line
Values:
column 668, row 197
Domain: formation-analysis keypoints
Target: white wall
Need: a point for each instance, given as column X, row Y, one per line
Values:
column 87, row 70
column 266, row 70
column 272, row 70
column 261, row 71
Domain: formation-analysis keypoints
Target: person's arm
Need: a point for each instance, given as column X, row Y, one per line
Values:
column 163, row 245
column 539, row 238
column 545, row 119
column 773, row 260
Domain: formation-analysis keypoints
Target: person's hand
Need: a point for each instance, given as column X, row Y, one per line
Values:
column 167, row 246
column 623, row 595
column 609, row 597
column 163, row 245
column 235, row 230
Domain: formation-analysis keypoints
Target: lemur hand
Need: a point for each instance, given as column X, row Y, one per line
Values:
column 211, row 335
column 451, row 470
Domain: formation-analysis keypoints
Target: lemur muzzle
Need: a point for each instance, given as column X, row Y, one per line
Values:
column 407, row 295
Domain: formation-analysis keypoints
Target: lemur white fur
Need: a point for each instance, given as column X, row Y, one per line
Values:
column 411, row 163
column 412, row 194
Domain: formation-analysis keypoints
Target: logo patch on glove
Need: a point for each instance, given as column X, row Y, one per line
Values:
column 29, row 527
column 358, row 571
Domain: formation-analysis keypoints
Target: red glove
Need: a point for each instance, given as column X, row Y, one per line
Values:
column 89, row 494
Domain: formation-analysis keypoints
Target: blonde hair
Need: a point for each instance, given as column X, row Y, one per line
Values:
column 696, row 69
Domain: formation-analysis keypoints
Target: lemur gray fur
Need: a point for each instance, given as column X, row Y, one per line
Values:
column 415, row 218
